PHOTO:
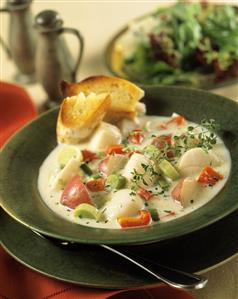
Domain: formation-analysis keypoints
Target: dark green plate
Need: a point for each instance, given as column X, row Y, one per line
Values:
column 22, row 156
column 92, row 266
column 112, row 62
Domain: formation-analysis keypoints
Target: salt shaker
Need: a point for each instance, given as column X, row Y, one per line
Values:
column 21, row 39
column 54, row 62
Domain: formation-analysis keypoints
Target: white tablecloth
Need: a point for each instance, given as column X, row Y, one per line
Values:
column 98, row 21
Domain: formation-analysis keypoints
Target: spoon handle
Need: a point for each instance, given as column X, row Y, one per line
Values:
column 170, row 276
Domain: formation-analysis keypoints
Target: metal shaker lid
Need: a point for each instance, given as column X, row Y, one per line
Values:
column 48, row 20
column 18, row 4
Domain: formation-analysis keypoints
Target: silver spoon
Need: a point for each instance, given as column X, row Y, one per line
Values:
column 173, row 277
column 170, row 276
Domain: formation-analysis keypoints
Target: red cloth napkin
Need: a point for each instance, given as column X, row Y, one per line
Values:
column 19, row 282
column 16, row 280
column 16, row 109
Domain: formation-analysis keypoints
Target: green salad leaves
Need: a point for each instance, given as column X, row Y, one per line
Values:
column 189, row 45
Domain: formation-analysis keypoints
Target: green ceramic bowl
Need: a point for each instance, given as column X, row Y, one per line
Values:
column 22, row 156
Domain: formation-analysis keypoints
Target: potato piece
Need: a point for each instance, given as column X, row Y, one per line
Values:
column 112, row 164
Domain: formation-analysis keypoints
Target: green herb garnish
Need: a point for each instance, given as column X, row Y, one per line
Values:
column 87, row 170
column 154, row 214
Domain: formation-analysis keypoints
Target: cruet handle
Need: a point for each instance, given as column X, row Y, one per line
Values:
column 81, row 48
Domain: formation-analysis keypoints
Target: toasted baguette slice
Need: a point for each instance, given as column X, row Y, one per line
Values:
column 124, row 94
column 79, row 115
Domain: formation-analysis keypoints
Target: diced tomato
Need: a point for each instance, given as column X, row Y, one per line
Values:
column 115, row 149
column 178, row 120
column 209, row 176
column 170, row 154
column 145, row 194
column 96, row 185
column 136, row 136
column 143, row 219
column 162, row 140
column 176, row 192
column 75, row 193
column 88, row 155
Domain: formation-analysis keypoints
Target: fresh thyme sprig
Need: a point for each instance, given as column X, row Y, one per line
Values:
column 149, row 170
column 203, row 136
column 210, row 125
column 138, row 178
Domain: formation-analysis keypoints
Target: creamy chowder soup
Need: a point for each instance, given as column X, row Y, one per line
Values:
column 138, row 173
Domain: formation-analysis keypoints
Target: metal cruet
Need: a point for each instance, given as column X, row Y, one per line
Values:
column 54, row 62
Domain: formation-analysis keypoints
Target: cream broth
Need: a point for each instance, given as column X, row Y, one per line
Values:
column 126, row 201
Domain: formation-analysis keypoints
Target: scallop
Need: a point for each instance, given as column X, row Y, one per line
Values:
column 105, row 135
column 189, row 191
column 138, row 163
column 123, row 204
column 194, row 160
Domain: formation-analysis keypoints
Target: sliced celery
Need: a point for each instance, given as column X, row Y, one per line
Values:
column 168, row 170
column 116, row 181
column 85, row 210
column 66, row 154
column 96, row 176
column 86, row 169
column 163, row 183
column 154, row 214
column 152, row 152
